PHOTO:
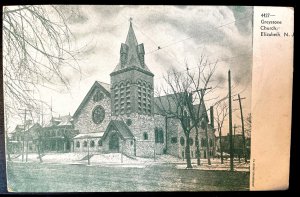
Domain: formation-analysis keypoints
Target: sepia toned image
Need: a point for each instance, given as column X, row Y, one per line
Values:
column 101, row 98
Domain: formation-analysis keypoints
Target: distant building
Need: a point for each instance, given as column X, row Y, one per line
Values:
column 23, row 139
column 237, row 145
column 57, row 135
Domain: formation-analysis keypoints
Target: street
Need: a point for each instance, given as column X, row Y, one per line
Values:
column 36, row 177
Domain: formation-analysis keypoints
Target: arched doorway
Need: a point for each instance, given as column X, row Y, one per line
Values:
column 114, row 142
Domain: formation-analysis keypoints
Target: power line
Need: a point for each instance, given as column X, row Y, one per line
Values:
column 182, row 40
column 217, row 61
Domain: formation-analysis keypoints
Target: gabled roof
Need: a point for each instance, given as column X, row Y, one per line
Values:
column 167, row 104
column 60, row 121
column 18, row 128
column 121, row 127
column 103, row 86
column 163, row 104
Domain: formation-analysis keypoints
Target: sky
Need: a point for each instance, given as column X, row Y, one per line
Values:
column 184, row 33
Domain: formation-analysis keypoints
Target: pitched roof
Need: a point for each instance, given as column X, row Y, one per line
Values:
column 132, row 54
column 106, row 86
column 121, row 127
column 60, row 121
column 103, row 86
column 167, row 104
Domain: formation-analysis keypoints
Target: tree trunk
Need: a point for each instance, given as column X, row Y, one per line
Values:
column 197, row 146
column 188, row 152
column 221, row 149
column 39, row 150
column 207, row 145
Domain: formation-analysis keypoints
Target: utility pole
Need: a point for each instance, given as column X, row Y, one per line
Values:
column 243, row 130
column 230, row 122
column 233, row 139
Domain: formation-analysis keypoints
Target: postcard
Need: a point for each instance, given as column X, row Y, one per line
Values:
column 116, row 98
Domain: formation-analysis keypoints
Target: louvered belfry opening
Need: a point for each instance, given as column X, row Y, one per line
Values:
column 132, row 81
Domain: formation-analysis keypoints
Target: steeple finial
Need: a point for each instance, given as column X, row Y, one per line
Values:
column 131, row 39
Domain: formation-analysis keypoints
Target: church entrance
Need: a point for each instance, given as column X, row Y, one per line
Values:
column 114, row 143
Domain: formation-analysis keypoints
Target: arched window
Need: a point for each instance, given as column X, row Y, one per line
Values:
column 99, row 143
column 145, row 135
column 85, row 144
column 202, row 142
column 78, row 144
column 159, row 135
column 210, row 142
column 182, row 141
column 191, row 141
column 92, row 143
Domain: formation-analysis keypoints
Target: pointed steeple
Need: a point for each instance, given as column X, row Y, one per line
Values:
column 132, row 54
column 131, row 40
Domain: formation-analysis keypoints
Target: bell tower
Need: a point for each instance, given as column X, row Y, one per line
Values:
column 131, row 81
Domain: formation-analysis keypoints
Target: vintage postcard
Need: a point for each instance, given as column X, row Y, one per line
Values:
column 106, row 98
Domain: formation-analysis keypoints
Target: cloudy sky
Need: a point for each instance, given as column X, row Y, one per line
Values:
column 183, row 33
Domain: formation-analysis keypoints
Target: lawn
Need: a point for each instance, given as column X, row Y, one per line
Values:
column 35, row 177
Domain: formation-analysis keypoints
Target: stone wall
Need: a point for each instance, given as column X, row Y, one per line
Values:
column 173, row 132
column 141, row 124
column 84, row 122
column 145, row 148
column 127, row 147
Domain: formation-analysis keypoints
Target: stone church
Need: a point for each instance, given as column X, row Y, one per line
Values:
column 124, row 116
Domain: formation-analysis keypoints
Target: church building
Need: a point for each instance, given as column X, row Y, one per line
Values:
column 124, row 116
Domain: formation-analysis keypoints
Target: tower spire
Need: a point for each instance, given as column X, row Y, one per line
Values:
column 131, row 40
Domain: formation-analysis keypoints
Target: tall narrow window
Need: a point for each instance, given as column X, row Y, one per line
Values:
column 92, row 143
column 145, row 135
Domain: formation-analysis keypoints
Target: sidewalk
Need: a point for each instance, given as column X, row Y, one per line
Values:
column 117, row 160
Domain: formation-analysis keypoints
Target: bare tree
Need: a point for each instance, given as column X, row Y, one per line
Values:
column 221, row 113
column 184, row 97
column 37, row 50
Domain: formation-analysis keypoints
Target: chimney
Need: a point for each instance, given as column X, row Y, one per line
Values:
column 212, row 116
